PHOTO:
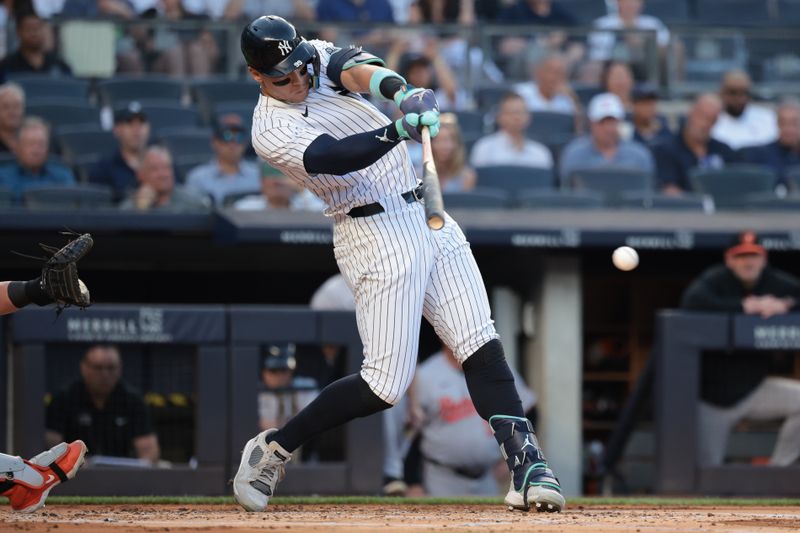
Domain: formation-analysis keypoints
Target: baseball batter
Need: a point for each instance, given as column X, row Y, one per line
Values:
column 312, row 123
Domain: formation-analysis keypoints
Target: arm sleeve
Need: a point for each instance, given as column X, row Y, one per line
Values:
column 326, row 155
column 700, row 296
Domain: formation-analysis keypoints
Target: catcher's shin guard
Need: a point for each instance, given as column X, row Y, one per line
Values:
column 532, row 481
column 28, row 483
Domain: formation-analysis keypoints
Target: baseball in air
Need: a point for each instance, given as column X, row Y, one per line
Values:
column 625, row 258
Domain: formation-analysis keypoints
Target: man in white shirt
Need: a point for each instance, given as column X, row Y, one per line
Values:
column 628, row 17
column 741, row 124
column 549, row 89
column 509, row 146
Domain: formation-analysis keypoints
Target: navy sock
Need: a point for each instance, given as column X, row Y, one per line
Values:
column 490, row 382
column 338, row 403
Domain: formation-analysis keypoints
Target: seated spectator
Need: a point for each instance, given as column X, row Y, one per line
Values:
column 742, row 124
column 12, row 111
column 628, row 17
column 538, row 13
column 783, row 154
column 617, row 78
column 102, row 410
column 455, row 465
column 736, row 386
column 157, row 190
column 429, row 69
column 509, row 146
column 118, row 170
column 450, row 157
column 32, row 168
column 649, row 128
column 603, row 147
column 228, row 172
column 692, row 147
column 32, row 56
column 278, row 192
column 549, row 90
column 283, row 394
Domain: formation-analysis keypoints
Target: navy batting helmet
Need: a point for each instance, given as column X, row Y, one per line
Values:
column 272, row 46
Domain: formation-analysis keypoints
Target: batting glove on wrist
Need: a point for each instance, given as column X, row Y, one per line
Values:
column 420, row 108
column 410, row 126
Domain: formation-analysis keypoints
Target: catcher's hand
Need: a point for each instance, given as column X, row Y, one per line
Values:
column 60, row 273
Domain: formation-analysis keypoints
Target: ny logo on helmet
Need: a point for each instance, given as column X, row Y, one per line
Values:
column 284, row 47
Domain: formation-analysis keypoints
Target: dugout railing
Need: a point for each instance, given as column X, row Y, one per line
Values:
column 681, row 339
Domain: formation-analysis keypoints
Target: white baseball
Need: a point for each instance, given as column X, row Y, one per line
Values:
column 625, row 258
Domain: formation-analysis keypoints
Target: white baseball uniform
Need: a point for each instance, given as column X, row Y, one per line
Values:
column 396, row 266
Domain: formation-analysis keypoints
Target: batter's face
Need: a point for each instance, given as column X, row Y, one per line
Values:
column 291, row 89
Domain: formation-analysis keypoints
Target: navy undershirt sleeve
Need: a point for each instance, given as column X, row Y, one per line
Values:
column 326, row 155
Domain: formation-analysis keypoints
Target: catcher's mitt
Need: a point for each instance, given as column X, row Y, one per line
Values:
column 60, row 273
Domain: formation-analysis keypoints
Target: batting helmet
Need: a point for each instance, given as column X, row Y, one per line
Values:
column 271, row 45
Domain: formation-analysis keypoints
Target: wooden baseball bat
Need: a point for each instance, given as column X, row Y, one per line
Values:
column 431, row 190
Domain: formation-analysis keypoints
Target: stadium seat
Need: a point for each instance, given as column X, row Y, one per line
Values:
column 480, row 197
column 61, row 113
column 648, row 200
column 43, row 87
column 731, row 185
column 69, row 197
column 513, row 179
column 242, row 108
column 611, row 182
column 586, row 11
column 793, row 178
column 120, row 90
column 471, row 124
column 550, row 127
column 586, row 92
column 207, row 94
column 164, row 116
column 708, row 57
column 669, row 11
column 488, row 97
column 184, row 143
column 77, row 143
column 789, row 11
column 559, row 199
column 6, row 197
column 182, row 165
column 760, row 202
column 732, row 12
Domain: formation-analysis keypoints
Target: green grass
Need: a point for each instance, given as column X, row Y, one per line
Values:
column 372, row 500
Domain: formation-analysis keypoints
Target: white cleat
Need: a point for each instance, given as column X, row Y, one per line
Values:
column 543, row 498
column 260, row 470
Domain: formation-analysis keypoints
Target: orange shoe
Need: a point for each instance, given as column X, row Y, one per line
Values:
column 33, row 482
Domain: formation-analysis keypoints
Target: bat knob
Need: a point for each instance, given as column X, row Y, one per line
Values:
column 435, row 222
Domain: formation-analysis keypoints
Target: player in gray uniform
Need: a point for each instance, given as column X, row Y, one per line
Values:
column 312, row 124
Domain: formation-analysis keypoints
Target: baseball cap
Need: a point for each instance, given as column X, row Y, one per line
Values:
column 746, row 242
column 129, row 112
column 279, row 357
column 228, row 126
column 605, row 105
column 645, row 91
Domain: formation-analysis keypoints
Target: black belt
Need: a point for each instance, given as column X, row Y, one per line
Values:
column 368, row 210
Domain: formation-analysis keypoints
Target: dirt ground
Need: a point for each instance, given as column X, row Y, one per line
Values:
column 395, row 519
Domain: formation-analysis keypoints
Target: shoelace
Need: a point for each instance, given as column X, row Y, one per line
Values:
column 268, row 472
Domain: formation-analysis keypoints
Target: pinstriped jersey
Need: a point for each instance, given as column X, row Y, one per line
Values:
column 282, row 132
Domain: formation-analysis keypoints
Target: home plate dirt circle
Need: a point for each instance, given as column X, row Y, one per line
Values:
column 394, row 518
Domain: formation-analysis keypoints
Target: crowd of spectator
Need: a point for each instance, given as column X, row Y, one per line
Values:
column 619, row 117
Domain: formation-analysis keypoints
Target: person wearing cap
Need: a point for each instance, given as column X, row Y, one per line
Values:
column 283, row 394
column 156, row 189
column 508, row 145
column 603, row 147
column 692, row 147
column 278, row 193
column 118, row 169
column 737, row 386
column 743, row 124
column 649, row 128
column 227, row 173
column 32, row 167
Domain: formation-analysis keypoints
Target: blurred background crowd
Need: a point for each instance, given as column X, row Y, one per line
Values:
column 145, row 104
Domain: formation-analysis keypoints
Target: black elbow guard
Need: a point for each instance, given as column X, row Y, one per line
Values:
column 346, row 58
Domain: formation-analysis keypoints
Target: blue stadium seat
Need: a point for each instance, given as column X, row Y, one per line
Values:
column 471, row 124
column 120, row 90
column 611, row 182
column 207, row 94
column 480, row 197
column 44, row 87
column 242, row 108
column 772, row 203
column 559, row 199
column 78, row 144
column 550, row 127
column 585, row 11
column 185, row 143
column 6, row 197
column 793, row 177
column 60, row 113
column 730, row 186
column 732, row 12
column 789, row 12
column 586, row 92
column 649, row 200
column 182, row 165
column 488, row 97
column 69, row 197
column 513, row 179
column 164, row 116
column 669, row 11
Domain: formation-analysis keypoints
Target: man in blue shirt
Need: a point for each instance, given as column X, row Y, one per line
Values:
column 32, row 169
column 692, row 147
column 603, row 147
column 784, row 154
column 649, row 128
column 118, row 169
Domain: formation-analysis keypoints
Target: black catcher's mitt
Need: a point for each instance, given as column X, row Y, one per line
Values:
column 60, row 273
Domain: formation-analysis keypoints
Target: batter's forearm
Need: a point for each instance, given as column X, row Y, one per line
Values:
column 326, row 155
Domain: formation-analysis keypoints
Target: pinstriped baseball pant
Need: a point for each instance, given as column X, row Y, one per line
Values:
column 400, row 270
